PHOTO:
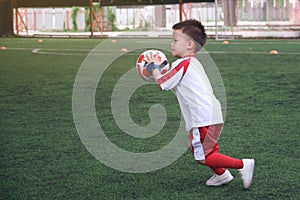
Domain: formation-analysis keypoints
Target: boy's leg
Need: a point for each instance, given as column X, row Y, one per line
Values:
column 217, row 161
column 222, row 176
column 200, row 150
column 213, row 159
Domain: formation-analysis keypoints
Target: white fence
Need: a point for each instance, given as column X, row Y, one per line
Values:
column 250, row 13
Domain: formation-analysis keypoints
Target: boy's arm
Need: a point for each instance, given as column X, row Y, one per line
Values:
column 156, row 74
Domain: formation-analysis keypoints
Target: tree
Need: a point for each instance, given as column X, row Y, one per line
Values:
column 75, row 11
column 111, row 19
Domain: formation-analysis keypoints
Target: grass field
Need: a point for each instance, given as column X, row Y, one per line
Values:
column 42, row 156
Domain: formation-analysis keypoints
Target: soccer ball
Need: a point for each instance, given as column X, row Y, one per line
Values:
column 141, row 64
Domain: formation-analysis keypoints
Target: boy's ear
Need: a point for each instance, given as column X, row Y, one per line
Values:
column 191, row 44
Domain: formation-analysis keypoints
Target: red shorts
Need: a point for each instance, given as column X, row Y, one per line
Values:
column 203, row 140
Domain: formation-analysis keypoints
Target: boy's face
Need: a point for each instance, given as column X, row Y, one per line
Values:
column 182, row 45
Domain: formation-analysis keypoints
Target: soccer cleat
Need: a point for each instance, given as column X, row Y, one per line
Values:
column 246, row 172
column 217, row 180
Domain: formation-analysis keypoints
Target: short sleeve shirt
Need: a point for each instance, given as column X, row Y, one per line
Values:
column 198, row 104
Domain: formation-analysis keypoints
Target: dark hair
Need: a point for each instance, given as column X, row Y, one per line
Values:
column 194, row 29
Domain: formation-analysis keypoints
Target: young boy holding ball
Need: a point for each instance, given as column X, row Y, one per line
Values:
column 200, row 108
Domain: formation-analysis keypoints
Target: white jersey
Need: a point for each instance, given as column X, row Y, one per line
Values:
column 189, row 81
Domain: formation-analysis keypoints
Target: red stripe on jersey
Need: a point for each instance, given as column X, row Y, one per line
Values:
column 184, row 64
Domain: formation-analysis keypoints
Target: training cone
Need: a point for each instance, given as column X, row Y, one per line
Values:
column 124, row 50
column 113, row 41
column 273, row 52
column 2, row 48
column 40, row 41
column 225, row 42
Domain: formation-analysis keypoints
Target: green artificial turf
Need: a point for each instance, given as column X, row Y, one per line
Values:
column 42, row 156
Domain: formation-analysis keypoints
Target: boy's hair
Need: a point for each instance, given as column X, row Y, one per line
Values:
column 194, row 29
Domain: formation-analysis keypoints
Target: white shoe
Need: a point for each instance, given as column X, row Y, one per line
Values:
column 217, row 180
column 246, row 172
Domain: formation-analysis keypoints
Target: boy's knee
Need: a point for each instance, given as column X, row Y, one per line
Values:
column 202, row 162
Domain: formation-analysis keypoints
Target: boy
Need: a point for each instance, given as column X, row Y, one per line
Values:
column 200, row 108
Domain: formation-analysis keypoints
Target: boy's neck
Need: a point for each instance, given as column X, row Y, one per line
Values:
column 189, row 55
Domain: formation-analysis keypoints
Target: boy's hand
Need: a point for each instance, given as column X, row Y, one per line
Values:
column 154, row 62
column 155, row 58
column 151, row 66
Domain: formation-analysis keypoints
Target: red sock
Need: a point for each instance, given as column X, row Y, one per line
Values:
column 217, row 160
column 219, row 171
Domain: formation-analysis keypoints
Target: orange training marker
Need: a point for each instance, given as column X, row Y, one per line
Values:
column 2, row 48
column 273, row 52
column 124, row 50
column 40, row 40
column 225, row 42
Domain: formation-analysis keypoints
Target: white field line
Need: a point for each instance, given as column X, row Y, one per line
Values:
column 73, row 52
